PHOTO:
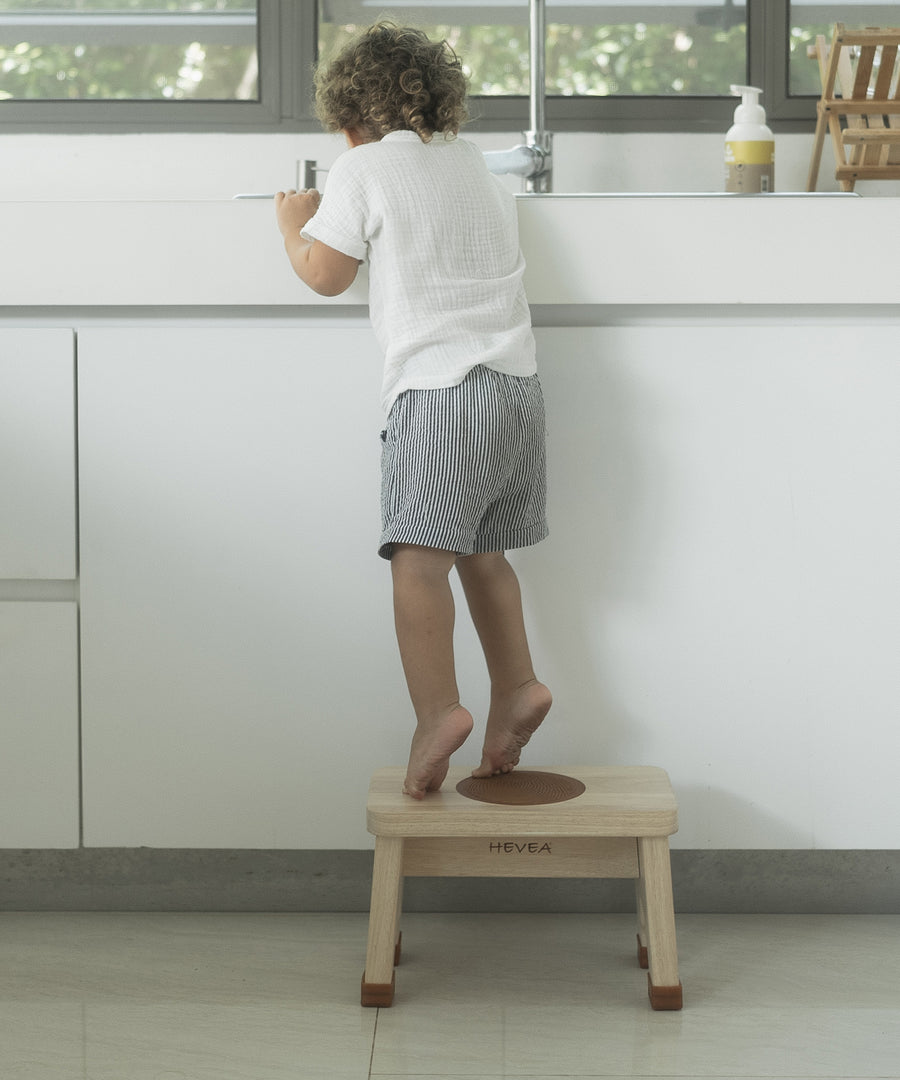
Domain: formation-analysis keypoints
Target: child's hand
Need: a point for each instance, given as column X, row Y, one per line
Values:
column 294, row 208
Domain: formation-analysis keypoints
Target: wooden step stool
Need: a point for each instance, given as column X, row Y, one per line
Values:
column 618, row 827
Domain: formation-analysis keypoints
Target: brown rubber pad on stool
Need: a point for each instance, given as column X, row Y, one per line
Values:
column 521, row 788
column 377, row 995
column 665, row 998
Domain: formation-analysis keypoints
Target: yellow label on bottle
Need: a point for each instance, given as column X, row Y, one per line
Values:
column 750, row 153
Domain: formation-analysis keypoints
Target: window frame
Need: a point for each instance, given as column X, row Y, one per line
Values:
column 280, row 26
column 287, row 36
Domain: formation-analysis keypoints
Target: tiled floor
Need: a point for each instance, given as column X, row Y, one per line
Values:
column 273, row 997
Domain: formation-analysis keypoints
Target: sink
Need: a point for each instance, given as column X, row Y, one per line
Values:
column 688, row 195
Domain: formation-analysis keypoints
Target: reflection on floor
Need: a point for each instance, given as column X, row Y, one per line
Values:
column 271, row 997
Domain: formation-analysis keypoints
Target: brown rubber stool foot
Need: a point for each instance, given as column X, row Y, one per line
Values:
column 643, row 956
column 664, row 998
column 377, row 995
column 397, row 949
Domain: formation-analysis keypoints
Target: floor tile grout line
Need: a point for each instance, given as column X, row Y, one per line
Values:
column 374, row 1036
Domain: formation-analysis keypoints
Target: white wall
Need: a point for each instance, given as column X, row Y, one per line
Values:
column 192, row 166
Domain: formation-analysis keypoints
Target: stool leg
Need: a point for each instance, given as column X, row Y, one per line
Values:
column 384, row 911
column 659, row 910
column 398, row 935
column 642, row 938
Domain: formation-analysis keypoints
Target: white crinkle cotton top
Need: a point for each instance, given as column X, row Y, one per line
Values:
column 445, row 270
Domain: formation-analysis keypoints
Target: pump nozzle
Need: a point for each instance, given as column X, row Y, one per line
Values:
column 749, row 111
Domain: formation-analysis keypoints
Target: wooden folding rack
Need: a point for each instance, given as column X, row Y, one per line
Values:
column 861, row 65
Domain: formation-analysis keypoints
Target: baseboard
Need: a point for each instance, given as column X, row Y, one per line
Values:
column 149, row 879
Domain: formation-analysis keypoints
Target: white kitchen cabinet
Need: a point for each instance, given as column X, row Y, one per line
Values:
column 234, row 609
column 39, row 798
column 38, row 725
column 718, row 594
column 37, row 454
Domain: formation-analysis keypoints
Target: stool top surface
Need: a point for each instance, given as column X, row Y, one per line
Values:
column 617, row 801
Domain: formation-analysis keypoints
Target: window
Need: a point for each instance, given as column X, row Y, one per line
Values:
column 141, row 65
column 592, row 49
column 101, row 50
column 811, row 17
column 626, row 65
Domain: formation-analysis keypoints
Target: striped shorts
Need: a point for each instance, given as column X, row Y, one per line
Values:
column 463, row 467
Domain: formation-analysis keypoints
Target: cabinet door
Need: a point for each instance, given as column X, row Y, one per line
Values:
column 236, row 620
column 38, row 725
column 37, row 454
column 720, row 593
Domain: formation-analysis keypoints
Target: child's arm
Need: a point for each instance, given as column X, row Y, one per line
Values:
column 324, row 269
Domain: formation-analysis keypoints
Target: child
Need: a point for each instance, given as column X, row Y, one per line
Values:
column 463, row 449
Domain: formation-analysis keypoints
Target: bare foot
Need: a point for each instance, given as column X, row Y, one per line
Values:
column 432, row 745
column 511, row 723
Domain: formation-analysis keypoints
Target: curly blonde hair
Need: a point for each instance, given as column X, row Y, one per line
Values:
column 392, row 78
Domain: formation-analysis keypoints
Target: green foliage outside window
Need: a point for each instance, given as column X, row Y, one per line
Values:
column 130, row 58
column 128, row 69
column 804, row 70
column 632, row 59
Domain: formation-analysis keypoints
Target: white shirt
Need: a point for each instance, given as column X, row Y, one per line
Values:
column 445, row 270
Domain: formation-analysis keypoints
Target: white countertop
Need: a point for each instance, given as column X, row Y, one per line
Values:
column 580, row 249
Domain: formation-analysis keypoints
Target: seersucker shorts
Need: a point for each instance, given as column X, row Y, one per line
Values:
column 463, row 468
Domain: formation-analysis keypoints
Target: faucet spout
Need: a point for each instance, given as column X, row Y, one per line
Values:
column 533, row 161
column 537, row 137
column 527, row 160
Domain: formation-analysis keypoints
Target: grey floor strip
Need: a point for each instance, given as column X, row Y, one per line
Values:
column 147, row 879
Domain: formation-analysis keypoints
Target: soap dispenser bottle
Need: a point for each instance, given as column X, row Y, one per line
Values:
column 749, row 146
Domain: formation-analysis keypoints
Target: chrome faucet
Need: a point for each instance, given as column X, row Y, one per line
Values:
column 304, row 178
column 533, row 160
column 307, row 171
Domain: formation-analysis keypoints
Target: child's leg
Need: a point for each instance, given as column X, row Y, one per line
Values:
column 424, row 617
column 518, row 701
